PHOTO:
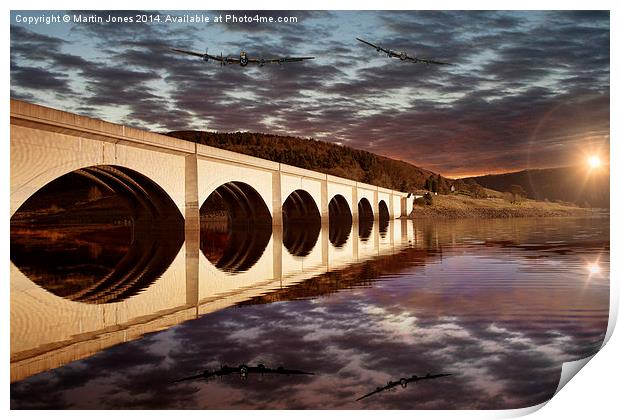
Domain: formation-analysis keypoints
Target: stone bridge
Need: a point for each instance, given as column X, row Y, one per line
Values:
column 47, row 143
column 48, row 331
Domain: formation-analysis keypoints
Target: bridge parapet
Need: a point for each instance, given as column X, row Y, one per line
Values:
column 49, row 119
column 294, row 170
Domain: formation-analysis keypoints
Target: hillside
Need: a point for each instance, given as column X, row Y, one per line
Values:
column 579, row 185
column 458, row 206
column 318, row 156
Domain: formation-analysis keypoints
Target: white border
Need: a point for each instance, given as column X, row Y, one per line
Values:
column 592, row 395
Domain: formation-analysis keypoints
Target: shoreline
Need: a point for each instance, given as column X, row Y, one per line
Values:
column 461, row 207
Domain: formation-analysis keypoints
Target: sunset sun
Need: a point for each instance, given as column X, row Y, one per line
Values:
column 594, row 162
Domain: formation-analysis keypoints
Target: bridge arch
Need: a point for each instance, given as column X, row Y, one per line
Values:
column 300, row 206
column 242, row 203
column 388, row 199
column 117, row 226
column 364, row 209
column 38, row 157
column 292, row 179
column 301, row 223
column 235, row 227
column 213, row 174
column 339, row 208
column 340, row 220
column 384, row 212
column 384, row 217
column 366, row 219
column 343, row 193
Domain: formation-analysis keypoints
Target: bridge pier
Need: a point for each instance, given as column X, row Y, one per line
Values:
column 375, row 204
column 324, row 203
column 354, row 209
column 277, row 251
column 276, row 200
column 192, row 230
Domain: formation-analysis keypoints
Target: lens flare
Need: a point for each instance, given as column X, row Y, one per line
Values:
column 594, row 269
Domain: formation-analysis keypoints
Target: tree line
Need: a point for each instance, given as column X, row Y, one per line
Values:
column 334, row 159
column 316, row 155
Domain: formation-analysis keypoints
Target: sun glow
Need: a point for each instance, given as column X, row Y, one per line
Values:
column 594, row 161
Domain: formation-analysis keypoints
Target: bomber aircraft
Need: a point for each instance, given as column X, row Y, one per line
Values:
column 403, row 383
column 402, row 55
column 243, row 59
column 243, row 371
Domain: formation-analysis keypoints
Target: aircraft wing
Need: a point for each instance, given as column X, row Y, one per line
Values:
column 392, row 384
column 203, row 375
column 379, row 389
column 294, row 59
column 376, row 391
column 279, row 60
column 439, row 375
column 188, row 378
column 374, row 46
column 428, row 61
column 421, row 378
column 197, row 54
column 293, row 372
column 281, row 371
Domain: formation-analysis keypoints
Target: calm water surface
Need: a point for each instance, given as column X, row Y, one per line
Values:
column 498, row 304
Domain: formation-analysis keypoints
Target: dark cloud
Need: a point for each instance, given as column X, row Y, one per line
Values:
column 511, row 69
column 39, row 79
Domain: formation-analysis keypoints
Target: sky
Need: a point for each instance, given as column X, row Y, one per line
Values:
column 528, row 89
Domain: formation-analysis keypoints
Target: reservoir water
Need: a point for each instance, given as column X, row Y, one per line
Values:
column 497, row 304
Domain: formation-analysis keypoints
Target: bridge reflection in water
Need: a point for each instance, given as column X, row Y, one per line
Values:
column 73, row 295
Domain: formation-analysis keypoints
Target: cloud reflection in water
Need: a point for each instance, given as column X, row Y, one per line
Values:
column 500, row 315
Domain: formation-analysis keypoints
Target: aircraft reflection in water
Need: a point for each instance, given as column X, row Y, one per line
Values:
column 243, row 59
column 403, row 382
column 402, row 55
column 243, row 371
column 544, row 260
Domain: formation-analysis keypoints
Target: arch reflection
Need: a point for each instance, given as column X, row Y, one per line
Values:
column 235, row 227
column 340, row 221
column 99, row 234
column 366, row 219
column 301, row 223
column 384, row 218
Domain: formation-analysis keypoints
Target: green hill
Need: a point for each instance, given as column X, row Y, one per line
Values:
column 580, row 185
column 318, row 156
